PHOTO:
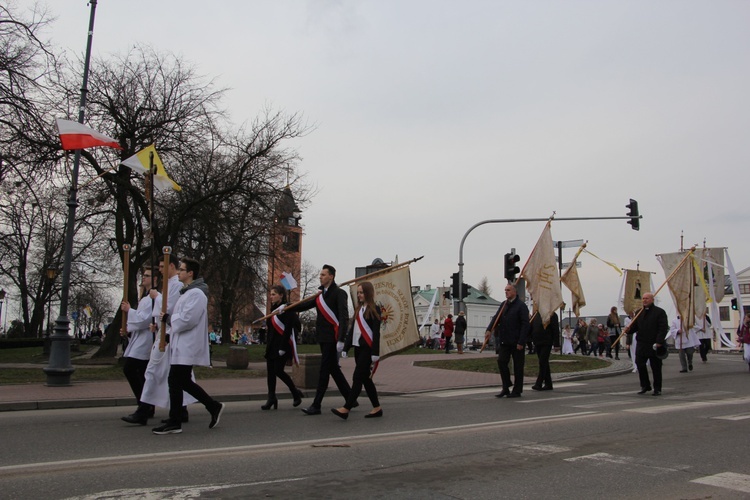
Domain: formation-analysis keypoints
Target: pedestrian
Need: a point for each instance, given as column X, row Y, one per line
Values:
column 364, row 335
column 510, row 326
column 448, row 332
column 188, row 346
column 137, row 353
column 279, row 349
column 685, row 343
column 567, row 347
column 613, row 325
column 332, row 318
column 544, row 338
column 460, row 331
column 652, row 328
column 743, row 337
column 592, row 336
column 602, row 339
column 580, row 334
column 435, row 335
column 705, row 332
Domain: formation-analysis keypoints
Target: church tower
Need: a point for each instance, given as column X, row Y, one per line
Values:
column 285, row 244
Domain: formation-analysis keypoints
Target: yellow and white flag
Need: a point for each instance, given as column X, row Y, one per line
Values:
column 398, row 327
column 636, row 284
column 685, row 285
column 141, row 161
column 542, row 279
column 570, row 279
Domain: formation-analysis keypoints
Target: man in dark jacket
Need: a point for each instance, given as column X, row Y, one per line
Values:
column 652, row 327
column 544, row 339
column 330, row 328
column 511, row 332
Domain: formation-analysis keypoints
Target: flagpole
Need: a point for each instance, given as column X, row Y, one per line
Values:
column 682, row 263
column 60, row 369
column 395, row 267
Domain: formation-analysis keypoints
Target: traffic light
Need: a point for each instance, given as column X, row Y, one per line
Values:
column 511, row 269
column 634, row 221
column 734, row 304
column 464, row 290
column 447, row 295
column 454, row 284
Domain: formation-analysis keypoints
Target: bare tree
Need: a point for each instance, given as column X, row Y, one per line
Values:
column 484, row 286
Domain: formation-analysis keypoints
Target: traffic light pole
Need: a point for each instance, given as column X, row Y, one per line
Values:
column 461, row 305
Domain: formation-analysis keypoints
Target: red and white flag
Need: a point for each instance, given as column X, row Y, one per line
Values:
column 74, row 135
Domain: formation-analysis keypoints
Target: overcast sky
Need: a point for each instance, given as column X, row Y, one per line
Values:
column 433, row 115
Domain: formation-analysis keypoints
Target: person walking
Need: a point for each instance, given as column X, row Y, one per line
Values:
column 137, row 353
column 460, row 331
column 279, row 348
column 580, row 333
column 652, row 328
column 188, row 346
column 364, row 336
column 567, row 347
column 613, row 325
column 544, row 338
column 743, row 337
column 332, row 318
column 705, row 332
column 685, row 343
column 448, row 332
column 435, row 335
column 510, row 326
column 592, row 336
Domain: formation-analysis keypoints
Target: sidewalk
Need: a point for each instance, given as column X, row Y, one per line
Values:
column 396, row 375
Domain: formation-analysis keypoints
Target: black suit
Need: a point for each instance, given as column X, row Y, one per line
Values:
column 511, row 331
column 328, row 334
column 652, row 328
column 280, row 342
column 544, row 339
column 362, row 356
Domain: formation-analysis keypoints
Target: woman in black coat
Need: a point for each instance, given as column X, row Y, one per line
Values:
column 364, row 335
column 279, row 351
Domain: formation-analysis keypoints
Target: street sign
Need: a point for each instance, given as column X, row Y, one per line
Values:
column 567, row 264
column 568, row 244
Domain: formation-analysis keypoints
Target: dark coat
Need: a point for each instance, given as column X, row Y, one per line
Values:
column 374, row 326
column 544, row 336
column 513, row 326
column 460, row 325
column 651, row 326
column 278, row 342
column 336, row 299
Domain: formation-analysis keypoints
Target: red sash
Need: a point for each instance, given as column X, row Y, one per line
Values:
column 328, row 314
column 364, row 329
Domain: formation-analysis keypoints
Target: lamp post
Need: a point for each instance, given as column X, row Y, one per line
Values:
column 51, row 275
column 2, row 299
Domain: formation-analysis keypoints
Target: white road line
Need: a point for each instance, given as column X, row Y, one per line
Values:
column 643, row 466
column 483, row 390
column 207, row 453
column 740, row 416
column 605, row 404
column 540, row 449
column 728, row 480
column 690, row 406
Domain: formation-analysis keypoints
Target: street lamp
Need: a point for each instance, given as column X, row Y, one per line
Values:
column 51, row 276
column 2, row 299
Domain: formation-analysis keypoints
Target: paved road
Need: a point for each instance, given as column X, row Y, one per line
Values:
column 587, row 439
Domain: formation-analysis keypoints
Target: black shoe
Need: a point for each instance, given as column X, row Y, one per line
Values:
column 297, row 398
column 617, row 358
column 271, row 402
column 312, row 410
column 338, row 413
column 167, row 429
column 536, row 387
column 135, row 418
column 376, row 414
column 514, row 395
column 657, row 393
column 683, row 371
column 546, row 388
column 644, row 390
column 690, row 367
column 503, row 393
column 216, row 415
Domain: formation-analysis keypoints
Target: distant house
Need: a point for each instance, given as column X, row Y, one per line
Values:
column 479, row 309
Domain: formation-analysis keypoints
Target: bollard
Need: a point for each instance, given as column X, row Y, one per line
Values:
column 305, row 376
column 238, row 358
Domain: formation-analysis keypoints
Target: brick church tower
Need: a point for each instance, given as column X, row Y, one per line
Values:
column 285, row 243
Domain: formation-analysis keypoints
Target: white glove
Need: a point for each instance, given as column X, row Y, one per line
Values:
column 339, row 346
column 281, row 308
column 374, row 359
column 281, row 353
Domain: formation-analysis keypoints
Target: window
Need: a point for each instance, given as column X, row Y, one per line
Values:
column 291, row 242
column 724, row 313
column 744, row 288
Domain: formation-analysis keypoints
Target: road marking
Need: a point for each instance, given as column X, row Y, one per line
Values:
column 540, row 449
column 206, row 454
column 604, row 404
column 740, row 416
column 167, row 492
column 690, row 406
column 643, row 466
column 728, row 480
column 481, row 390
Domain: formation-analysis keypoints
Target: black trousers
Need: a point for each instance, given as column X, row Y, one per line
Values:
column 545, row 373
column 180, row 380
column 705, row 348
column 329, row 367
column 135, row 371
column 361, row 377
column 504, row 355
column 275, row 368
column 645, row 355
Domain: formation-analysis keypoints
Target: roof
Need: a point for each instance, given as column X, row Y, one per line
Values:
column 475, row 296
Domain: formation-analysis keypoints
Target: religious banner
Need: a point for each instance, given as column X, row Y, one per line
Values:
column 636, row 284
column 542, row 278
column 712, row 260
column 398, row 327
column 687, row 287
column 571, row 280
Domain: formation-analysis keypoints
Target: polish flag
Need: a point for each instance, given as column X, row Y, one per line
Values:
column 74, row 135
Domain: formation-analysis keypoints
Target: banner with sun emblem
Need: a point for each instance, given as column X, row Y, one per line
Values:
column 398, row 327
